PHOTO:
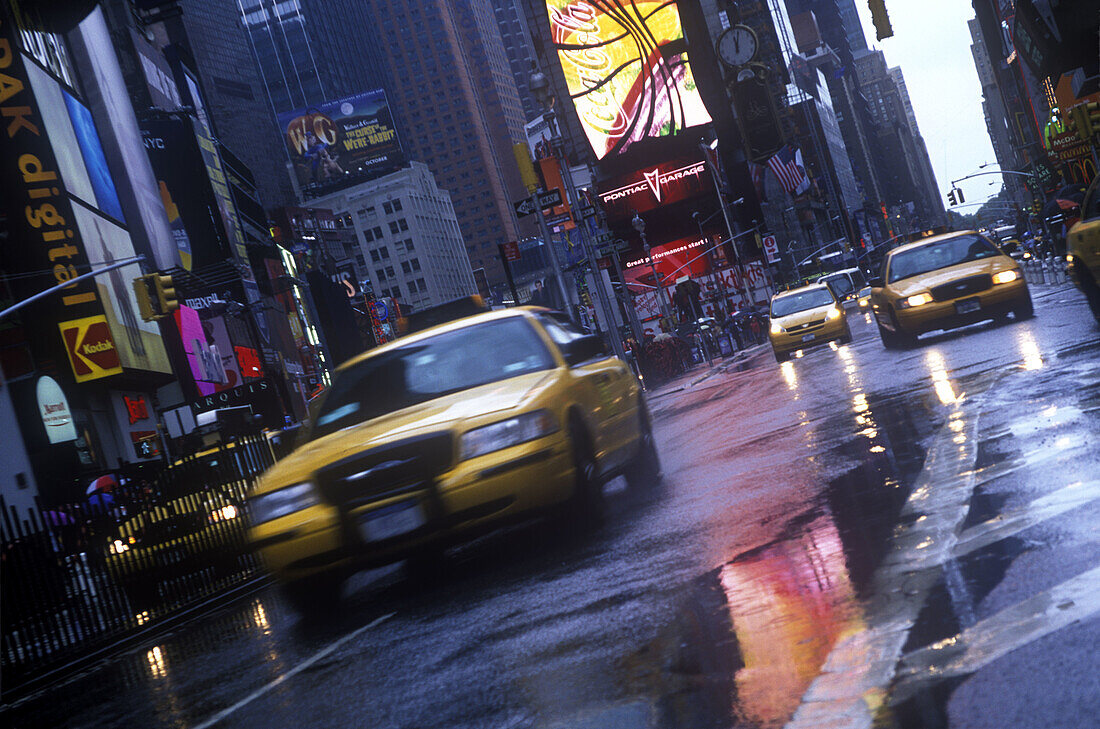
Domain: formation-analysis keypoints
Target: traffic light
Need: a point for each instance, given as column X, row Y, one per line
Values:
column 951, row 198
column 1085, row 119
column 144, row 297
column 166, row 293
column 880, row 19
column 156, row 296
column 959, row 196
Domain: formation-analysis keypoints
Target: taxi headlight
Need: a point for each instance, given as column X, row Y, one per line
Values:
column 1069, row 259
column 275, row 504
column 915, row 300
column 776, row 329
column 833, row 312
column 507, row 433
column 1005, row 277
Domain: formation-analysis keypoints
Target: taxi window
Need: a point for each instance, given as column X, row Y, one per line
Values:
column 802, row 301
column 429, row 368
column 561, row 332
column 840, row 284
column 941, row 254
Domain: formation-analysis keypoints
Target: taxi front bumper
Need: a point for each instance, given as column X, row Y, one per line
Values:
column 830, row 330
column 476, row 495
column 994, row 302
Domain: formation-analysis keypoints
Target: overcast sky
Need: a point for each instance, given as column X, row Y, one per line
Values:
column 931, row 43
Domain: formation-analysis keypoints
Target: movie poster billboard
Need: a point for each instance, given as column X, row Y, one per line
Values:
column 626, row 66
column 336, row 141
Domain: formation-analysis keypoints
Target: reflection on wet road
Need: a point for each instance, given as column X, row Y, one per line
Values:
column 855, row 537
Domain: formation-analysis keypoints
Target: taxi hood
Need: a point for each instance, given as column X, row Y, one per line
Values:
column 442, row 413
column 803, row 317
column 926, row 281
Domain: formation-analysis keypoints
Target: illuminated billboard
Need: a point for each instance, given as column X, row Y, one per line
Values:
column 341, row 140
column 626, row 66
column 653, row 186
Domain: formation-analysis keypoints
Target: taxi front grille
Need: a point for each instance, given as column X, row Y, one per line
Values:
column 962, row 287
column 799, row 328
column 394, row 468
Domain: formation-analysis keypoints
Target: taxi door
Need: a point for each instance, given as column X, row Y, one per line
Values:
column 604, row 387
column 1084, row 244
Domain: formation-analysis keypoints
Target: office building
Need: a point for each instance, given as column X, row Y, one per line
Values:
column 409, row 238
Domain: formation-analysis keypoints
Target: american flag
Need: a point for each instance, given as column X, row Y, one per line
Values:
column 788, row 167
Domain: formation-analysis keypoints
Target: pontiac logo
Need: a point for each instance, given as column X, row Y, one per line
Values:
column 655, row 180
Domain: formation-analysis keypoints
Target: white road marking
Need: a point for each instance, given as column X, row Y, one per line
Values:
column 989, row 639
column 323, row 653
column 856, row 674
column 1043, row 508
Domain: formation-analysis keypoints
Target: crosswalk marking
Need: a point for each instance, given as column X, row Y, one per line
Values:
column 989, row 639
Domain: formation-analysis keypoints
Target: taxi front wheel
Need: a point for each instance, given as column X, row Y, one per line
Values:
column 781, row 356
column 645, row 468
column 1025, row 309
column 318, row 595
column 586, row 503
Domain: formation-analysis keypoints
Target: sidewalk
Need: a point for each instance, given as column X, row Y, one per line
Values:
column 701, row 372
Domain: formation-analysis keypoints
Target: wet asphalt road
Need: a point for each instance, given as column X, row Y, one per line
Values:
column 854, row 538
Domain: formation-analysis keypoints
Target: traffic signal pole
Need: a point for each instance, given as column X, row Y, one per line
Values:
column 54, row 289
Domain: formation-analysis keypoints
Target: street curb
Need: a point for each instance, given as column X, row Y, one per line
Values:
column 74, row 669
column 741, row 356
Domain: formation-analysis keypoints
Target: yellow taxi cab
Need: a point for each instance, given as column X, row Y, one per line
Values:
column 1083, row 250
column 805, row 317
column 944, row 282
column 445, row 433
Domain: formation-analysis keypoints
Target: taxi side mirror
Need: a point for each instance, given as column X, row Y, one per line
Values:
column 583, row 349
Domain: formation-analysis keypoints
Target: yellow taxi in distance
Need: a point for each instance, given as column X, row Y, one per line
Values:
column 944, row 282
column 1083, row 250
column 445, row 433
column 805, row 317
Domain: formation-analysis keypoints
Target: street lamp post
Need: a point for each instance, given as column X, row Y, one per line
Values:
column 540, row 87
column 639, row 225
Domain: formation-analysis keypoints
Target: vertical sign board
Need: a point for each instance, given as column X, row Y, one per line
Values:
column 40, row 217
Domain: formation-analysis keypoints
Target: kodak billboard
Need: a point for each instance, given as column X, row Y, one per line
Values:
column 43, row 229
column 91, row 350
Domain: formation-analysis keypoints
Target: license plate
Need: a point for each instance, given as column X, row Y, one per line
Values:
column 808, row 337
column 391, row 521
column 965, row 307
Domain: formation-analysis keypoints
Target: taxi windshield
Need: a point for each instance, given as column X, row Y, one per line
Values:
column 802, row 301
column 940, row 254
column 429, row 368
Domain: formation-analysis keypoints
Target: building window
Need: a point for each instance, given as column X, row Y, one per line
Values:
column 393, row 227
column 378, row 232
column 387, row 208
column 402, row 224
column 385, row 252
column 405, row 267
column 416, row 264
column 409, row 244
column 389, row 271
column 381, row 275
column 397, row 206
column 360, row 260
column 374, row 256
column 397, row 292
column 421, row 285
column 368, row 236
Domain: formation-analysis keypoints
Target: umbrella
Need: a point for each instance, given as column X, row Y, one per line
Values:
column 102, row 484
column 100, row 502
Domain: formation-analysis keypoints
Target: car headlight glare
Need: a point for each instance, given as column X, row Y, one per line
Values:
column 915, row 300
column 507, row 433
column 118, row 546
column 776, row 329
column 1005, row 276
column 833, row 312
column 1069, row 259
column 275, row 504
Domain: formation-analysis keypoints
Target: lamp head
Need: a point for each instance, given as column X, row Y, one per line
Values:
column 638, row 223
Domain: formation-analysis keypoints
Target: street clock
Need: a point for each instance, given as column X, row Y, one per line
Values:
column 737, row 46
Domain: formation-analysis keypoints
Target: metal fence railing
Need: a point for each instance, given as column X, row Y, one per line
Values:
column 78, row 577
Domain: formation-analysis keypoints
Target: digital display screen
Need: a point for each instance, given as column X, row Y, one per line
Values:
column 626, row 66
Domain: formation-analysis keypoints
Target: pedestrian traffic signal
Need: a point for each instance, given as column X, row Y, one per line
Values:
column 880, row 18
column 156, row 296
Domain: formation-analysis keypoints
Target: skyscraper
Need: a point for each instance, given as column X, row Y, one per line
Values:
column 448, row 80
column 516, row 37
